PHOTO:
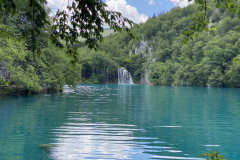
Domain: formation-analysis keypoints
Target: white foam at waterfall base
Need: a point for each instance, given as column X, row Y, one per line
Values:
column 124, row 77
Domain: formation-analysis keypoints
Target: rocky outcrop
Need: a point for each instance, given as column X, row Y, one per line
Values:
column 4, row 74
column 143, row 48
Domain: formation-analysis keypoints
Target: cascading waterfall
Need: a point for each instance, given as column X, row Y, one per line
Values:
column 107, row 76
column 124, row 77
column 146, row 78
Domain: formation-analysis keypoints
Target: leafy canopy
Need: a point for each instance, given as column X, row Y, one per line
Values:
column 85, row 18
column 82, row 18
column 201, row 21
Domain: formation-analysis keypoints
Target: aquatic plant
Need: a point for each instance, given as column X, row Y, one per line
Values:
column 212, row 156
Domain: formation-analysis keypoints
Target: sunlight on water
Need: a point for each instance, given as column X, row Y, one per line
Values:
column 80, row 139
column 168, row 126
column 99, row 141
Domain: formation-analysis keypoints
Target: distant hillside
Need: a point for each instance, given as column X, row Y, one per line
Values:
column 160, row 56
column 107, row 32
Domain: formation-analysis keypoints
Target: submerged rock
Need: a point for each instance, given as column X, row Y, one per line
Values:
column 46, row 147
column 4, row 74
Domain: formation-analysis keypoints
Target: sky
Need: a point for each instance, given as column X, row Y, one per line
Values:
column 137, row 10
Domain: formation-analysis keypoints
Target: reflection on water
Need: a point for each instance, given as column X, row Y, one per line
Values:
column 96, row 141
column 121, row 122
column 80, row 138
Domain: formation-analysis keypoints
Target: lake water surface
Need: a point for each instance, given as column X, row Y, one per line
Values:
column 121, row 122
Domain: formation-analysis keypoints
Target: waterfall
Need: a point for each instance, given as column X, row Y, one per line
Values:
column 107, row 76
column 146, row 78
column 124, row 77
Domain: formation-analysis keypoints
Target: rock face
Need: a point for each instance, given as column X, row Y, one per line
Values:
column 145, row 80
column 143, row 48
column 4, row 74
column 47, row 147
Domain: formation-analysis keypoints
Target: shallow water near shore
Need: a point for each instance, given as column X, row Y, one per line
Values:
column 121, row 122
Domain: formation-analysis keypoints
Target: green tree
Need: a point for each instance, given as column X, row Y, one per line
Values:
column 86, row 21
column 200, row 22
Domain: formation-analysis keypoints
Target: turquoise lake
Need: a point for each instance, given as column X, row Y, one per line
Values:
column 121, row 122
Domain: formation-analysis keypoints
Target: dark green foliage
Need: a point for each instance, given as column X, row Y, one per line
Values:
column 53, row 69
column 85, row 21
column 207, row 60
column 97, row 67
column 25, row 71
column 200, row 22
column 29, row 16
column 8, row 6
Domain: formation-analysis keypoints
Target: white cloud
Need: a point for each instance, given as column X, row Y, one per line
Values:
column 58, row 4
column 151, row 2
column 181, row 3
column 127, row 10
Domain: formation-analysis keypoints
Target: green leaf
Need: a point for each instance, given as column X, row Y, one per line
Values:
column 6, row 83
column 218, row 5
column 213, row 27
column 188, row 33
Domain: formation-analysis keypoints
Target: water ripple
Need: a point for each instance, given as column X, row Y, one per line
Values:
column 100, row 141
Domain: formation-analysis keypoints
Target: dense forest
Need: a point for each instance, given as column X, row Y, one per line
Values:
column 23, row 70
column 157, row 55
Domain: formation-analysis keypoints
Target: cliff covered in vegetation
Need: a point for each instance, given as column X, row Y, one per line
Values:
column 159, row 52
